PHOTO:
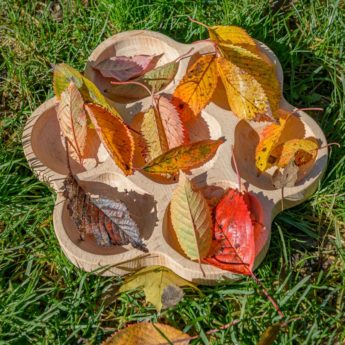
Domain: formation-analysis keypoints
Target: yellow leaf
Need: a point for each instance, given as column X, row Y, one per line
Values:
column 114, row 135
column 154, row 280
column 64, row 74
column 263, row 73
column 300, row 150
column 196, row 88
column 73, row 121
column 289, row 127
column 147, row 333
column 191, row 220
column 154, row 135
column 235, row 35
column 246, row 97
column 183, row 157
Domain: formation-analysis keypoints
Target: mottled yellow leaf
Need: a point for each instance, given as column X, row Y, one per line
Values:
column 73, row 121
column 191, row 220
column 246, row 97
column 263, row 73
column 154, row 280
column 289, row 127
column 183, row 157
column 147, row 333
column 114, row 135
column 196, row 88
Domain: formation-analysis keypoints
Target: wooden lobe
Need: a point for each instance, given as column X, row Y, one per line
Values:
column 146, row 199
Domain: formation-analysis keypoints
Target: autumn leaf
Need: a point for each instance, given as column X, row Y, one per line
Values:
column 191, row 220
column 234, row 232
column 147, row 333
column 300, row 150
column 175, row 131
column 183, row 157
column 287, row 178
column 114, row 135
column 73, row 121
column 197, row 87
column 270, row 335
column 289, row 126
column 263, row 73
column 64, row 74
column 154, row 280
column 235, row 35
column 107, row 221
column 153, row 133
column 123, row 68
column 246, row 96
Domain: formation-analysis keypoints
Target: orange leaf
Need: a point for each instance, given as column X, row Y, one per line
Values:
column 183, row 157
column 236, row 36
column 197, row 87
column 246, row 97
column 289, row 127
column 300, row 150
column 114, row 135
column 73, row 121
column 147, row 333
column 263, row 73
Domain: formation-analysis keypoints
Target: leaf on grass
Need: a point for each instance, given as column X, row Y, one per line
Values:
column 275, row 134
column 64, row 74
column 123, row 68
column 107, row 221
column 154, row 280
column 191, row 220
column 234, row 232
column 172, row 295
column 147, row 333
column 73, row 121
column 235, row 35
column 153, row 133
column 263, row 73
column 197, row 87
column 183, row 157
column 114, row 135
column 301, row 151
column 270, row 335
column 246, row 97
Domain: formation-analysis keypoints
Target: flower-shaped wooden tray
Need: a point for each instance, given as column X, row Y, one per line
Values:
column 147, row 199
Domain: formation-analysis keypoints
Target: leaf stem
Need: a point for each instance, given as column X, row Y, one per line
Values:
column 197, row 22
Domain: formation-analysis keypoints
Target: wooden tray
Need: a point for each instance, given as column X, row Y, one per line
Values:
column 146, row 199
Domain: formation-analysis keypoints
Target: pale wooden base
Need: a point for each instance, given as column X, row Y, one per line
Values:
column 146, row 199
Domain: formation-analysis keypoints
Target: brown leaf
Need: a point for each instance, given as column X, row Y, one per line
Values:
column 172, row 295
column 107, row 221
column 287, row 178
column 270, row 335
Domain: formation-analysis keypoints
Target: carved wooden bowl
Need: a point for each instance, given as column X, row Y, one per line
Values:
column 146, row 199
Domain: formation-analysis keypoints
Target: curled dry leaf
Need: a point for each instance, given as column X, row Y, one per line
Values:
column 64, row 74
column 107, row 221
column 114, row 135
column 196, row 88
column 147, row 333
column 154, row 280
column 183, row 157
column 234, row 232
column 289, row 127
column 287, row 178
column 172, row 295
column 301, row 151
column 123, row 68
column 73, row 122
column 246, row 96
column 191, row 220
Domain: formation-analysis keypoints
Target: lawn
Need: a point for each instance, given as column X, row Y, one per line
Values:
column 44, row 299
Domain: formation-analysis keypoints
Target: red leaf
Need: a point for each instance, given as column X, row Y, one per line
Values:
column 234, row 231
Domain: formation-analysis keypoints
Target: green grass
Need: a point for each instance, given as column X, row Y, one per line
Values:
column 44, row 299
